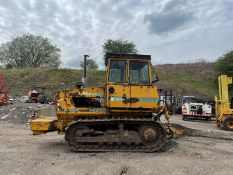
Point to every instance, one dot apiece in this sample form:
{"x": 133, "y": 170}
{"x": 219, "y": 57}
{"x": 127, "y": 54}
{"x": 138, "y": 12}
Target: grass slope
{"x": 20, "y": 81}
{"x": 196, "y": 79}
{"x": 183, "y": 79}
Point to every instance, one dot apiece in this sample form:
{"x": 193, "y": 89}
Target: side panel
{"x": 144, "y": 97}
{"x": 119, "y": 98}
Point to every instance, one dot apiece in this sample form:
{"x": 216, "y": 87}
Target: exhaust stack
{"x": 85, "y": 69}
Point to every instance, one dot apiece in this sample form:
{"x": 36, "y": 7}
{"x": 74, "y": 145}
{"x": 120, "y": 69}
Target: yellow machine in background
{"x": 123, "y": 115}
{"x": 224, "y": 104}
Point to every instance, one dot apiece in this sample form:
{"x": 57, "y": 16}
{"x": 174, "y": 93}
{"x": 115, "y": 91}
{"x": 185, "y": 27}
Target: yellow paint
{"x": 43, "y": 125}
{"x": 222, "y": 104}
{"x": 148, "y": 95}
{"x": 115, "y": 100}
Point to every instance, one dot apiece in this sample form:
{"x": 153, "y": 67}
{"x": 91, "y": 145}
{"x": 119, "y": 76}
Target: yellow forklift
{"x": 224, "y": 104}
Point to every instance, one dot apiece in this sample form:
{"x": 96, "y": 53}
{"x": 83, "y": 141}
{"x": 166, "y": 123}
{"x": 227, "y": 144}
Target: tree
{"x": 119, "y": 46}
{"x": 91, "y": 64}
{"x": 224, "y": 64}
{"x": 30, "y": 51}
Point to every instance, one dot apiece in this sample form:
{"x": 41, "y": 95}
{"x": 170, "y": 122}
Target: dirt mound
{"x": 19, "y": 113}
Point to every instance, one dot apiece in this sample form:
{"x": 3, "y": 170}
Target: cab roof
{"x": 126, "y": 56}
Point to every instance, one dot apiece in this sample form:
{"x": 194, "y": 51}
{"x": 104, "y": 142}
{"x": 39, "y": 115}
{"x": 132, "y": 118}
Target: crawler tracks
{"x": 131, "y": 135}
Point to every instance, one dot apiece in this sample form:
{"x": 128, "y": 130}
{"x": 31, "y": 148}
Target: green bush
{"x": 224, "y": 64}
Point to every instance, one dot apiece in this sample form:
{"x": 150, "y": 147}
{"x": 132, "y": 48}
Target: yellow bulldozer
{"x": 224, "y": 104}
{"x": 123, "y": 115}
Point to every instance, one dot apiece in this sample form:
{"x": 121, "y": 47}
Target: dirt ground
{"x": 23, "y": 153}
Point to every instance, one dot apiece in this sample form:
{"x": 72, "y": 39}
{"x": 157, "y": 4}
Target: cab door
{"x": 142, "y": 93}
{"x": 117, "y": 87}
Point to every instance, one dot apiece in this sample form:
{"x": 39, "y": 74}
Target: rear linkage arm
{"x": 164, "y": 111}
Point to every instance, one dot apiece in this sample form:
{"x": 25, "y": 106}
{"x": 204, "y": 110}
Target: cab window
{"x": 117, "y": 72}
{"x": 138, "y": 72}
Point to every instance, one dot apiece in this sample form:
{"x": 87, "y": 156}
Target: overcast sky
{"x": 172, "y": 31}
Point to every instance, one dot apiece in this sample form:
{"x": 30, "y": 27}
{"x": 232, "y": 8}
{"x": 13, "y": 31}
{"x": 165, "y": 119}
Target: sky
{"x": 172, "y": 31}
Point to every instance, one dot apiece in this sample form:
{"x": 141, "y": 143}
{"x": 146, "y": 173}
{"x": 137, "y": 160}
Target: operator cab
{"x": 138, "y": 72}
{"x": 129, "y": 81}
{"x": 129, "y": 68}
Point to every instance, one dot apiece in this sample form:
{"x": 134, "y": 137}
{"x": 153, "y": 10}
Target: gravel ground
{"x": 23, "y": 153}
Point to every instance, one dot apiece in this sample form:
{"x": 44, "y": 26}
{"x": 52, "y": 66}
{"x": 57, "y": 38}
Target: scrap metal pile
{"x": 19, "y": 113}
